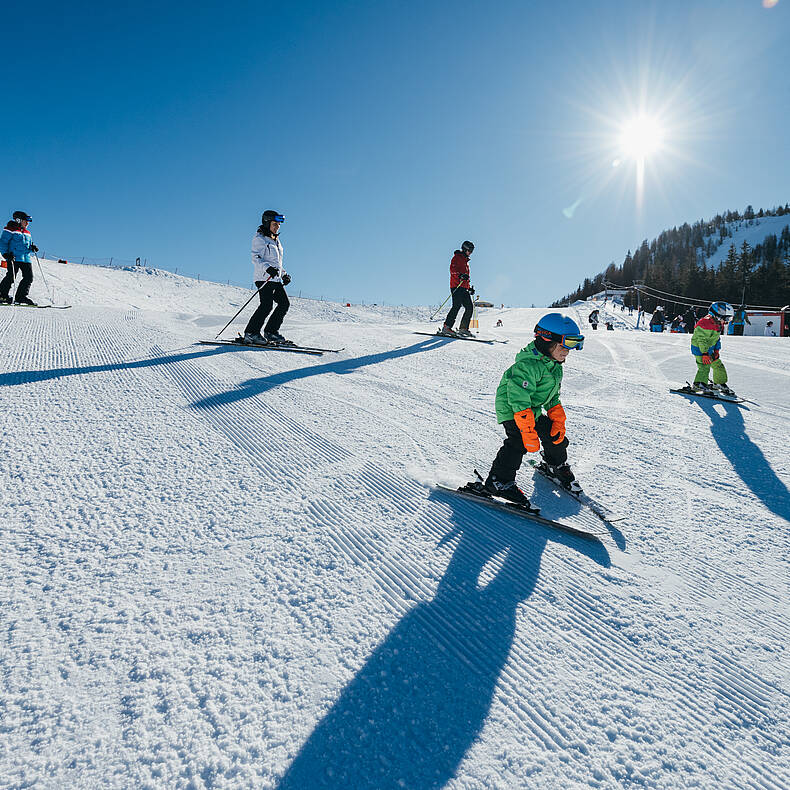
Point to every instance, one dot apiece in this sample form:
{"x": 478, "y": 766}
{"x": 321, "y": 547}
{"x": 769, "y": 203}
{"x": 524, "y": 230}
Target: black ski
{"x": 602, "y": 512}
{"x": 516, "y": 510}
{"x": 38, "y": 306}
{"x": 270, "y": 347}
{"x": 451, "y": 337}
{"x": 688, "y": 390}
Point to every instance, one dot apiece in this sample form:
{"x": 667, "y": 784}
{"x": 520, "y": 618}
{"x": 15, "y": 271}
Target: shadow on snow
{"x": 253, "y": 387}
{"x": 745, "y": 456}
{"x": 418, "y": 704}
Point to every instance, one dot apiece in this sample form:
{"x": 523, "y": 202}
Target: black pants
{"x": 508, "y": 459}
{"x": 737, "y": 329}
{"x": 461, "y": 298}
{"x": 270, "y": 293}
{"x": 23, "y": 289}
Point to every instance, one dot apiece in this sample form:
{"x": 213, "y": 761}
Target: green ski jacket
{"x": 532, "y": 382}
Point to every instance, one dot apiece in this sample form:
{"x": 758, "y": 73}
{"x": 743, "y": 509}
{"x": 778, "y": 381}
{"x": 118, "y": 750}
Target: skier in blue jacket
{"x": 16, "y": 244}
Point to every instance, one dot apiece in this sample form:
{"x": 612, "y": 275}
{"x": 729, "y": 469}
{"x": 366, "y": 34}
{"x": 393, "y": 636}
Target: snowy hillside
{"x": 751, "y": 231}
{"x": 228, "y": 568}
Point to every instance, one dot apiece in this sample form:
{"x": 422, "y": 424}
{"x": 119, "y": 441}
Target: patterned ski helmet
{"x": 722, "y": 310}
{"x": 468, "y": 247}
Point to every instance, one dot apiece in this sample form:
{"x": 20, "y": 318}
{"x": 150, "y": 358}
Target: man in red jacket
{"x": 462, "y": 291}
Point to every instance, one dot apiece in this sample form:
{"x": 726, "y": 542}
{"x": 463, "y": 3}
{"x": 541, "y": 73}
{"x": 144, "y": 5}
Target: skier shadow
{"x": 257, "y": 386}
{"x": 746, "y": 458}
{"x": 30, "y": 376}
{"x": 422, "y": 698}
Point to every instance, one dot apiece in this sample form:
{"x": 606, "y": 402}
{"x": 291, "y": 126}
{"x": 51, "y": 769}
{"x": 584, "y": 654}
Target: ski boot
{"x": 253, "y": 339}
{"x": 561, "y": 475}
{"x": 25, "y": 302}
{"x": 5, "y": 300}
{"x": 702, "y": 388}
{"x": 447, "y": 331}
{"x": 723, "y": 389}
{"x": 507, "y": 490}
{"x": 464, "y": 333}
{"x": 276, "y": 339}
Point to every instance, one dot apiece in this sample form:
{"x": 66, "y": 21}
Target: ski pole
{"x": 243, "y": 306}
{"x": 445, "y": 301}
{"x": 44, "y": 279}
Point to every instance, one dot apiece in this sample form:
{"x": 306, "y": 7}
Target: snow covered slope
{"x": 751, "y": 231}
{"x": 227, "y": 568}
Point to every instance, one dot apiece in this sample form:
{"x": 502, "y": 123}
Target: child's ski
{"x": 689, "y": 390}
{"x": 596, "y": 507}
{"x": 509, "y": 507}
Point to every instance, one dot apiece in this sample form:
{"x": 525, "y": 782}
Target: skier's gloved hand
{"x": 714, "y": 354}
{"x": 272, "y": 271}
{"x": 286, "y": 279}
{"x": 525, "y": 420}
{"x": 33, "y": 248}
{"x": 706, "y": 360}
{"x": 464, "y": 277}
{"x": 472, "y": 290}
{"x": 557, "y": 416}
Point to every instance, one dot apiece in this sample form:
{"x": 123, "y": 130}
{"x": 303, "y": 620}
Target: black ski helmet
{"x": 271, "y": 216}
{"x": 467, "y": 247}
{"x": 20, "y": 216}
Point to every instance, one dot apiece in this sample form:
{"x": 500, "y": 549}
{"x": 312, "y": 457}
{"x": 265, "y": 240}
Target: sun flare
{"x": 640, "y": 137}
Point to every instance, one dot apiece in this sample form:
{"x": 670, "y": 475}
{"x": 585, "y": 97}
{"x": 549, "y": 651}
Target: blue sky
{"x": 387, "y": 133}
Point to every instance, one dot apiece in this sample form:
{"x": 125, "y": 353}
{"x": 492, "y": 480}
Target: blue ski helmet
{"x": 557, "y": 328}
{"x": 722, "y": 310}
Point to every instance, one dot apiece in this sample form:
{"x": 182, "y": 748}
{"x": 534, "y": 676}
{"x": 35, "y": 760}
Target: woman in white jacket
{"x": 270, "y": 279}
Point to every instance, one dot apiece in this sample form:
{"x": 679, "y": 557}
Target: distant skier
{"x": 740, "y": 320}
{"x": 270, "y": 279}
{"x": 706, "y": 348}
{"x": 690, "y": 319}
{"x": 657, "y": 320}
{"x": 769, "y": 330}
{"x": 462, "y": 292}
{"x": 594, "y": 318}
{"x": 527, "y": 389}
{"x": 677, "y": 324}
{"x": 16, "y": 244}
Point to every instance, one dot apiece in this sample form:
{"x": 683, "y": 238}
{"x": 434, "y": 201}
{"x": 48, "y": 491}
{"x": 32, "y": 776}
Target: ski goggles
{"x": 566, "y": 341}
{"x": 278, "y": 218}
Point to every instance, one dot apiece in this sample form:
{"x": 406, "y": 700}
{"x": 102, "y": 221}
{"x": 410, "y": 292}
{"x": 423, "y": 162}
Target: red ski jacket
{"x": 459, "y": 265}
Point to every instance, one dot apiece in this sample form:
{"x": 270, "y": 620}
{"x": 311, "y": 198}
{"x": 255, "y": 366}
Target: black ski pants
{"x": 511, "y": 454}
{"x": 737, "y": 329}
{"x": 461, "y": 298}
{"x": 23, "y": 289}
{"x": 270, "y": 294}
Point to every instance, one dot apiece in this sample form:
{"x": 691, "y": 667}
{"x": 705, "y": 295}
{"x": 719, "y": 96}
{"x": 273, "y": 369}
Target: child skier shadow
{"x": 559, "y": 506}
{"x": 418, "y": 704}
{"x": 745, "y": 456}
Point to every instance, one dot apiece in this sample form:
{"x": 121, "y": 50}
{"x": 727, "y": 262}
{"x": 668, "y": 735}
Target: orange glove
{"x": 526, "y": 424}
{"x": 706, "y": 360}
{"x": 557, "y": 416}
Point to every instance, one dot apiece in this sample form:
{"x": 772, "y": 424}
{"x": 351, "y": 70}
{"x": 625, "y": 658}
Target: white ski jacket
{"x": 267, "y": 252}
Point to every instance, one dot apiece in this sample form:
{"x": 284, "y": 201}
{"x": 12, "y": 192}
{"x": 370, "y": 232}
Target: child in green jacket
{"x": 706, "y": 347}
{"x": 527, "y": 389}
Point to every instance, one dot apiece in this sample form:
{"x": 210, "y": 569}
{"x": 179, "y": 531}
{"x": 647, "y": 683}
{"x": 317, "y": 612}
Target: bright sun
{"x": 640, "y": 137}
